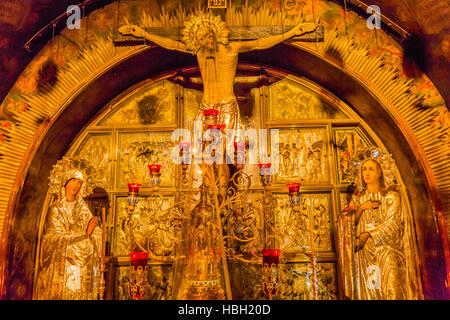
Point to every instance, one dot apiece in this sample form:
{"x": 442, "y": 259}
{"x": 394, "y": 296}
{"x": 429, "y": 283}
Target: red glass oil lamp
{"x": 155, "y": 174}
{"x": 211, "y": 116}
{"x": 265, "y": 173}
{"x": 138, "y": 274}
{"x": 133, "y": 193}
{"x": 271, "y": 258}
{"x": 185, "y": 154}
{"x": 294, "y": 193}
{"x": 239, "y": 151}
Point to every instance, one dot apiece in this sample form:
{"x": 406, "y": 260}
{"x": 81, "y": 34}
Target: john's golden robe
{"x": 384, "y": 268}
{"x": 69, "y": 257}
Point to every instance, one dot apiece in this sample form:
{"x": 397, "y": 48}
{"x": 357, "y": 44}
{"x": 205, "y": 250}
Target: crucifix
{"x": 217, "y": 51}
{"x": 217, "y": 48}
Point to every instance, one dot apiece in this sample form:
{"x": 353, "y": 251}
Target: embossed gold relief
{"x": 151, "y": 105}
{"x": 245, "y": 281}
{"x": 159, "y": 284}
{"x": 137, "y": 151}
{"x": 146, "y": 230}
{"x": 192, "y": 99}
{"x": 315, "y": 214}
{"x": 242, "y": 225}
{"x": 349, "y": 142}
{"x": 96, "y": 149}
{"x": 303, "y": 154}
{"x": 292, "y": 101}
{"x": 298, "y": 281}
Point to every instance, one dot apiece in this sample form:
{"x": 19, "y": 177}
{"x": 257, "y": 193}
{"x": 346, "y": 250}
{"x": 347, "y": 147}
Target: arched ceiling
{"x": 426, "y": 20}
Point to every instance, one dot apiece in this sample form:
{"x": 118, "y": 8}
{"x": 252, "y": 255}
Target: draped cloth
{"x": 385, "y": 268}
{"x": 228, "y": 113}
{"x": 69, "y": 260}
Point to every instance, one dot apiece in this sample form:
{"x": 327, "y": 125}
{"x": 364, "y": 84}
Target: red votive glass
{"x": 293, "y": 187}
{"x": 138, "y": 258}
{"x": 154, "y": 168}
{"x": 264, "y": 169}
{"x": 211, "y": 112}
{"x": 134, "y": 187}
{"x": 138, "y": 274}
{"x": 271, "y": 258}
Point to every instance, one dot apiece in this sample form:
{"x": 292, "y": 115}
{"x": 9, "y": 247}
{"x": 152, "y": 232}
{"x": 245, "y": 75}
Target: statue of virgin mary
{"x": 71, "y": 239}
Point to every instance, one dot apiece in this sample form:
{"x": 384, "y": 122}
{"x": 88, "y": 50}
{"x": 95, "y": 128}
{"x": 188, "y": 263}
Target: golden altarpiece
{"x": 348, "y": 113}
{"x": 318, "y": 136}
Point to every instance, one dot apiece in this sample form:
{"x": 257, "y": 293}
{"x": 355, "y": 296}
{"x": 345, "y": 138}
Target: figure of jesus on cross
{"x": 206, "y": 37}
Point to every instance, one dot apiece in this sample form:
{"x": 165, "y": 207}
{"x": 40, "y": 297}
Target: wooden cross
{"x": 236, "y": 34}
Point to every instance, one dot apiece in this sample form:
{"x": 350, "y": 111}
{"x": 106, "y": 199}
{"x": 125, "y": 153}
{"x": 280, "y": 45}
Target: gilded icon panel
{"x": 154, "y": 105}
{"x": 349, "y": 143}
{"x": 96, "y": 148}
{"x": 243, "y": 231}
{"x": 303, "y": 156}
{"x": 297, "y": 282}
{"x": 137, "y": 151}
{"x": 314, "y": 214}
{"x": 149, "y": 230}
{"x": 290, "y": 100}
{"x": 159, "y": 284}
{"x": 192, "y": 98}
{"x": 245, "y": 279}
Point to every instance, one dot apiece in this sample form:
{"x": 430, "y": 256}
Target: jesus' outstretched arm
{"x": 164, "y": 42}
{"x": 268, "y": 42}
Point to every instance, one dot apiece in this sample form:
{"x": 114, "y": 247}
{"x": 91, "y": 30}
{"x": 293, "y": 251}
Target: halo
{"x": 197, "y": 22}
{"x": 385, "y": 160}
{"x": 72, "y": 167}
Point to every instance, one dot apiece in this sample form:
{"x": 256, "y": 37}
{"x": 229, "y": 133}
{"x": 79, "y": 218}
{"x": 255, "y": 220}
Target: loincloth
{"x": 228, "y": 113}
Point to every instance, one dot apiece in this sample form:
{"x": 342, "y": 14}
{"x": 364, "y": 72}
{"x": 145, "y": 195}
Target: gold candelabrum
{"x": 223, "y": 224}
